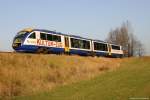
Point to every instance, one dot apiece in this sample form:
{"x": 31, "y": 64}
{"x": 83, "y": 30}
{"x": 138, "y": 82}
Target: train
{"x": 46, "y": 41}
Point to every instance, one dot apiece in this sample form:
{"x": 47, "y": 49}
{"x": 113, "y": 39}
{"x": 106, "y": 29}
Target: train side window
{"x": 104, "y": 46}
{"x": 74, "y": 43}
{"x": 49, "y": 37}
{"x": 77, "y": 43}
{"x": 32, "y": 36}
{"x": 86, "y": 44}
{"x": 100, "y": 46}
{"x": 115, "y": 47}
{"x": 56, "y": 38}
{"x": 43, "y": 36}
{"x": 81, "y": 45}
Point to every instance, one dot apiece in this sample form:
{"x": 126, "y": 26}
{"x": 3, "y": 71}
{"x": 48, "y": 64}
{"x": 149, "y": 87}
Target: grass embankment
{"x": 27, "y": 74}
{"x": 129, "y": 82}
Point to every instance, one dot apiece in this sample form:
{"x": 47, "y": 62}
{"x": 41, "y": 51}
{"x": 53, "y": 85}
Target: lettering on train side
{"x": 48, "y": 43}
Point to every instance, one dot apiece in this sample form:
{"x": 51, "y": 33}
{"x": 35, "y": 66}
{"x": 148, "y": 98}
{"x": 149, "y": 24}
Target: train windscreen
{"x": 18, "y": 39}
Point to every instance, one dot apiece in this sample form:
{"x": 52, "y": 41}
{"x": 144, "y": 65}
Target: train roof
{"x": 48, "y": 31}
{"x": 79, "y": 37}
{"x": 96, "y": 40}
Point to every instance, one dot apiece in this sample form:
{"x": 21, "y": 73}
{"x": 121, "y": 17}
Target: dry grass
{"x": 22, "y": 74}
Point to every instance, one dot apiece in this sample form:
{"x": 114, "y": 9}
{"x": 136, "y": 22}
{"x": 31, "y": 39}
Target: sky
{"x": 87, "y": 18}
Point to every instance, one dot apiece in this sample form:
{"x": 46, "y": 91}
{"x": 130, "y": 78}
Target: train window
{"x": 100, "y": 46}
{"x": 77, "y": 43}
{"x": 74, "y": 43}
{"x": 56, "y": 38}
{"x": 115, "y": 47}
{"x": 86, "y": 44}
{"x": 43, "y": 36}
{"x": 32, "y": 36}
{"x": 49, "y": 37}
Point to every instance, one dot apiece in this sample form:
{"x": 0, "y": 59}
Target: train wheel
{"x": 45, "y": 51}
{"x": 39, "y": 50}
{"x": 42, "y": 50}
{"x": 93, "y": 54}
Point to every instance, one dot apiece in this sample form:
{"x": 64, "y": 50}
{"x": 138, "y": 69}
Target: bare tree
{"x": 124, "y": 36}
{"x": 139, "y": 49}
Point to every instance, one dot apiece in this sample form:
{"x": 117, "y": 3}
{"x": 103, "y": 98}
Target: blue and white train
{"x": 45, "y": 41}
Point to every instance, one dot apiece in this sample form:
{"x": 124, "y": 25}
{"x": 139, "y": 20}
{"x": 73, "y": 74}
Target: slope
{"x": 130, "y": 81}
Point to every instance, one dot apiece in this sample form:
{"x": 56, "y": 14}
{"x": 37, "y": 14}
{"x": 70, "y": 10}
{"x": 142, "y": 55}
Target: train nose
{"x": 16, "y": 43}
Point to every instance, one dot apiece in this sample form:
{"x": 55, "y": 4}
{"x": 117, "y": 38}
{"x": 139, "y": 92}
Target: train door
{"x": 67, "y": 44}
{"x": 109, "y": 49}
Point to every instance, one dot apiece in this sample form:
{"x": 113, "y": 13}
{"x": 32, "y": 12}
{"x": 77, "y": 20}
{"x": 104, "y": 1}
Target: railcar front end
{"x": 19, "y": 40}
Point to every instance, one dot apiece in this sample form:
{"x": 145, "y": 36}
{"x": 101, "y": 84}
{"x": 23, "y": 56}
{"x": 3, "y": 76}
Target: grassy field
{"x": 131, "y": 81}
{"x": 28, "y": 74}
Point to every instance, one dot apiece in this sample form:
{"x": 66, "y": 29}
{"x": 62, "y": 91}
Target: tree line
{"x": 125, "y": 37}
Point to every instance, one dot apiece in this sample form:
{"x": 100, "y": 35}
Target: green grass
{"x": 131, "y": 80}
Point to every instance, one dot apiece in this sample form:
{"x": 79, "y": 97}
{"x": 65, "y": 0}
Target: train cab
{"x": 20, "y": 38}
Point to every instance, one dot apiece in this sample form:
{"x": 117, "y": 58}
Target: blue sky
{"x": 87, "y": 18}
